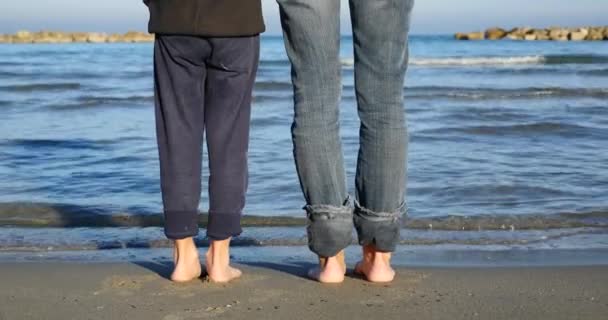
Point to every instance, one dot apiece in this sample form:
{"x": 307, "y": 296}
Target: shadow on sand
{"x": 297, "y": 269}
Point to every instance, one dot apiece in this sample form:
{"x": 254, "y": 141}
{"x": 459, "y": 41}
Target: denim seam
{"x": 330, "y": 212}
{"x": 374, "y": 216}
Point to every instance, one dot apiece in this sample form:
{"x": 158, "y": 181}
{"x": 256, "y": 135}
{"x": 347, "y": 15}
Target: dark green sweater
{"x": 213, "y": 18}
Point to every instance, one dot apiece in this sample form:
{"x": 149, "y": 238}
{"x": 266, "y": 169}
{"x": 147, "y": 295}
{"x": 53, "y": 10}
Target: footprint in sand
{"x": 125, "y": 285}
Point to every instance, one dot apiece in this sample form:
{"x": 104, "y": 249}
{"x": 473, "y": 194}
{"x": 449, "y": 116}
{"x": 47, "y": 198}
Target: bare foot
{"x": 187, "y": 265}
{"x": 375, "y": 265}
{"x": 218, "y": 262}
{"x": 329, "y": 270}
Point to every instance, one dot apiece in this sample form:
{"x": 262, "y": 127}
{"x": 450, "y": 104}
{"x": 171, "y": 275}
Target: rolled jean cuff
{"x": 181, "y": 224}
{"x": 222, "y": 226}
{"x": 329, "y": 228}
{"x": 381, "y": 229}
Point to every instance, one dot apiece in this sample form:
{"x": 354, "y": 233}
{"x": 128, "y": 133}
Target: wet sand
{"x": 280, "y": 291}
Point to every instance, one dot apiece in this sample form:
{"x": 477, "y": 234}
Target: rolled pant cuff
{"x": 329, "y": 228}
{"x": 222, "y": 226}
{"x": 181, "y": 224}
{"x": 381, "y": 229}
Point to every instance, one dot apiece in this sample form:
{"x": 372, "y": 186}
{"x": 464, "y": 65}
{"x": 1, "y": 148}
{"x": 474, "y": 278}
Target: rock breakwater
{"x": 532, "y": 34}
{"x": 75, "y": 37}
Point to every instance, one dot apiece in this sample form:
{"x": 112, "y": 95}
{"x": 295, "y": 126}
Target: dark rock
{"x": 461, "y": 36}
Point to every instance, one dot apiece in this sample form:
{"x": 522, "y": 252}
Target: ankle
{"x": 185, "y": 248}
{"x": 187, "y": 264}
{"x": 331, "y": 262}
{"x": 369, "y": 253}
{"x": 218, "y": 253}
{"x": 330, "y": 270}
{"x": 382, "y": 259}
{"x": 337, "y": 260}
{"x": 372, "y": 256}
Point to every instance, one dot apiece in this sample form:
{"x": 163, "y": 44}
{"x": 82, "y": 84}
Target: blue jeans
{"x": 312, "y": 39}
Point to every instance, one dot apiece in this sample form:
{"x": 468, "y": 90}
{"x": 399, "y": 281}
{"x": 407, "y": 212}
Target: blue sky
{"x": 430, "y": 16}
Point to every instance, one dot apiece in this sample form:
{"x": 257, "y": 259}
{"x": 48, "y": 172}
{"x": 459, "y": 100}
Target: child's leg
{"x": 231, "y": 74}
{"x": 179, "y": 73}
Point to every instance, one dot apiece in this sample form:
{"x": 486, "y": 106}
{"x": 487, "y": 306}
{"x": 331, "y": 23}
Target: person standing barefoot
{"x": 206, "y": 55}
{"x": 311, "y": 30}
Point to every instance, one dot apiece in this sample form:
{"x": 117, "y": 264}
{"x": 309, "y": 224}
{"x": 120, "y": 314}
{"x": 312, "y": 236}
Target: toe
{"x": 236, "y": 273}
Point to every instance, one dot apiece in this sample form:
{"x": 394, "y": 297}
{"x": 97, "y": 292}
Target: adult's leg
{"x": 231, "y": 72}
{"x": 179, "y": 75}
{"x": 312, "y": 38}
{"x": 380, "y": 34}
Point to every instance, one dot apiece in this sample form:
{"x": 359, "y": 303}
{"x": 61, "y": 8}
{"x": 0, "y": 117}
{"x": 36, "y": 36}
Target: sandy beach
{"x": 280, "y": 291}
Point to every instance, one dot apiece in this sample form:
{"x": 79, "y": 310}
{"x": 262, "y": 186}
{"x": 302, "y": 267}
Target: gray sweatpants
{"x": 203, "y": 84}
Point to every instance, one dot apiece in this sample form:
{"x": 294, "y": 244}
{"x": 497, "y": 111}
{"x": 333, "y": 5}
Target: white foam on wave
{"x": 479, "y": 61}
{"x": 467, "y": 61}
{"x": 347, "y": 62}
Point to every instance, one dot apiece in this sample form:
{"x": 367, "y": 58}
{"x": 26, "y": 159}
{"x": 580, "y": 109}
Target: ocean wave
{"x": 271, "y": 91}
{"x": 148, "y": 73}
{"x": 467, "y": 93}
{"x": 105, "y": 100}
{"x": 576, "y": 59}
{"x": 270, "y": 98}
{"x": 501, "y": 60}
{"x": 596, "y": 72}
{"x": 274, "y": 63}
{"x": 536, "y": 70}
{"x": 476, "y": 61}
{"x": 273, "y": 86}
{"x": 487, "y": 113}
{"x": 15, "y": 239}
{"x": 56, "y": 239}
{"x": 73, "y": 144}
{"x": 102, "y": 101}
{"x": 284, "y": 86}
{"x": 564, "y": 130}
{"x": 41, "y": 87}
{"x": 9, "y": 74}
{"x": 445, "y": 61}
{"x": 70, "y": 216}
{"x": 472, "y": 93}
{"x": 11, "y": 63}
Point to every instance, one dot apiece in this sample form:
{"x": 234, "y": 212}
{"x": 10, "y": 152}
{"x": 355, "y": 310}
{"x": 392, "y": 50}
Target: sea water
{"x": 508, "y": 146}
